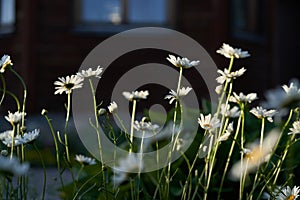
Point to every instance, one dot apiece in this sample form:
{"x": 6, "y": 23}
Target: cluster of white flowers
{"x": 136, "y": 95}
{"x": 15, "y": 117}
{"x": 229, "y": 52}
{"x": 8, "y": 139}
{"x": 69, "y": 83}
{"x": 13, "y": 166}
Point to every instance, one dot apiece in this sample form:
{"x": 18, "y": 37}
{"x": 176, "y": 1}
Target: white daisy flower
{"x": 182, "y": 62}
{"x": 255, "y": 156}
{"x": 6, "y": 134}
{"x": 85, "y": 160}
{"x": 260, "y": 113}
{"x": 67, "y": 84}
{"x": 145, "y": 126}
{"x": 208, "y": 123}
{"x": 288, "y": 193}
{"x": 13, "y": 166}
{"x": 18, "y": 140}
{"x": 241, "y": 98}
{"x": 228, "y": 76}
{"x": 231, "y": 113}
{"x": 130, "y": 164}
{"x": 113, "y": 106}
{"x": 4, "y": 63}
{"x": 30, "y": 136}
{"x": 296, "y": 128}
{"x": 135, "y": 95}
{"x": 14, "y": 118}
{"x": 229, "y": 52}
{"x": 90, "y": 72}
{"x": 172, "y": 96}
{"x": 227, "y": 133}
{"x": 278, "y": 98}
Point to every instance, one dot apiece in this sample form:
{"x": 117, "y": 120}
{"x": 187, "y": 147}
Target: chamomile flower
{"x": 230, "y": 112}
{"x": 18, "y": 140}
{"x": 228, "y": 76}
{"x": 136, "y": 95}
{"x": 260, "y": 113}
{"x": 296, "y": 128}
{"x": 130, "y": 164}
{"x": 6, "y": 134}
{"x": 241, "y": 98}
{"x": 113, "y": 106}
{"x": 85, "y": 160}
{"x": 283, "y": 97}
{"x": 68, "y": 84}
{"x": 4, "y": 63}
{"x": 208, "y": 123}
{"x": 229, "y": 52}
{"x": 172, "y": 96}
{"x": 182, "y": 62}
{"x": 288, "y": 193}
{"x": 255, "y": 156}
{"x": 90, "y": 73}
{"x": 31, "y": 136}
{"x": 13, "y": 166}
{"x": 15, "y": 117}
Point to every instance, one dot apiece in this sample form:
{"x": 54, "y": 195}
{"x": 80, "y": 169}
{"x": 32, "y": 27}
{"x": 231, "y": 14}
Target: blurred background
{"x": 50, "y": 39}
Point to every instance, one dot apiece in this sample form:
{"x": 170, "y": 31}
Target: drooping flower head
{"x": 136, "y": 95}
{"x": 227, "y": 133}
{"x": 229, "y": 52}
{"x": 84, "y": 160}
{"x": 68, "y": 84}
{"x": 90, "y": 73}
{"x": 172, "y": 96}
{"x": 230, "y": 112}
{"x": 4, "y": 63}
{"x": 182, "y": 62}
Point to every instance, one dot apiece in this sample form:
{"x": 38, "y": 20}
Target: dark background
{"x": 47, "y": 42}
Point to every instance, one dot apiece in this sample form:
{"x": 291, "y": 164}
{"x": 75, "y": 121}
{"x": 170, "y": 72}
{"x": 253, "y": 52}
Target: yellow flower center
{"x": 291, "y": 197}
{"x": 207, "y": 126}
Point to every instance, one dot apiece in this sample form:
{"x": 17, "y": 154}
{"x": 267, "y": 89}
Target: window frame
{"x": 104, "y": 28}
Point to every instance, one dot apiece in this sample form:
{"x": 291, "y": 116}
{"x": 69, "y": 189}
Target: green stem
{"x": 66, "y": 128}
{"x": 12, "y": 141}
{"x": 242, "y": 178}
{"x": 44, "y": 170}
{"x": 4, "y": 88}
{"x": 229, "y": 155}
{"x": 56, "y": 149}
{"x": 132, "y": 123}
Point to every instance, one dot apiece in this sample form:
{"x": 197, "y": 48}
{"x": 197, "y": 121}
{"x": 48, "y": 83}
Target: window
{"x": 248, "y": 19}
{"x": 115, "y": 15}
{"x": 7, "y": 16}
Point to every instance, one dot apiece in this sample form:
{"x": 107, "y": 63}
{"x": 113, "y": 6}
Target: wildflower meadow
{"x": 244, "y": 148}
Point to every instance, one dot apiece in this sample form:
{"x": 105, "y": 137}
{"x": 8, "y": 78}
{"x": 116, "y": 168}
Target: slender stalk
{"x": 242, "y": 179}
{"x": 56, "y": 149}
{"x": 12, "y": 141}
{"x": 131, "y": 126}
{"x": 225, "y": 87}
{"x": 44, "y": 170}
{"x": 4, "y": 88}
{"x": 66, "y": 128}
{"x": 229, "y": 155}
